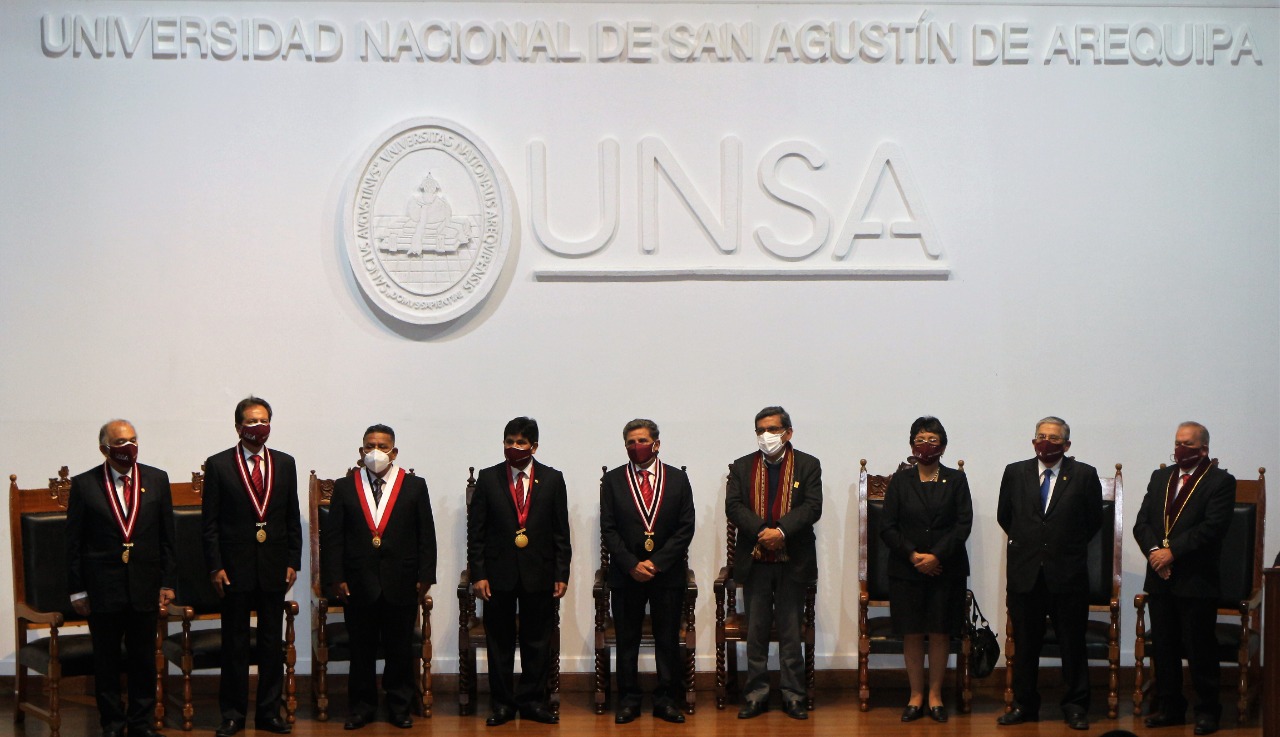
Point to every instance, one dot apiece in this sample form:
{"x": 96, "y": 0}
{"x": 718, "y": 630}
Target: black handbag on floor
{"x": 984, "y": 648}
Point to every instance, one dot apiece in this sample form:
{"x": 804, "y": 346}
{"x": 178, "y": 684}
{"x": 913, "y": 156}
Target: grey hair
{"x": 102, "y": 432}
{"x": 638, "y": 424}
{"x": 1204, "y": 431}
{"x": 1051, "y": 420}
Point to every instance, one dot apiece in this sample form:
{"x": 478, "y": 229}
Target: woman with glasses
{"x": 928, "y": 514}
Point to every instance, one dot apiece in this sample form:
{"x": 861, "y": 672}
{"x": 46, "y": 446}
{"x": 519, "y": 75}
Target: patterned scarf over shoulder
{"x": 781, "y": 503}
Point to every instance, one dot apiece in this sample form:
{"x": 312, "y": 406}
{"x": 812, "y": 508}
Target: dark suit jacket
{"x": 796, "y": 525}
{"x": 94, "y": 544}
{"x": 1196, "y": 539}
{"x": 1057, "y": 539}
{"x": 939, "y": 525}
{"x": 492, "y": 523}
{"x": 623, "y": 530}
{"x": 230, "y": 524}
{"x": 406, "y": 558}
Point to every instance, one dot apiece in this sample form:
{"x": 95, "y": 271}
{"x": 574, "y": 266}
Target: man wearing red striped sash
{"x": 646, "y": 521}
{"x": 120, "y": 570}
{"x": 378, "y": 548}
{"x": 253, "y": 548}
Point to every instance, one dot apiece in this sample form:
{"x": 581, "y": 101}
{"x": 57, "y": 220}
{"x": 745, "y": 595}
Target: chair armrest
{"x": 27, "y": 614}
{"x": 180, "y": 611}
{"x": 691, "y": 583}
{"x": 426, "y": 602}
{"x": 464, "y": 580}
{"x": 1253, "y": 602}
{"x": 291, "y": 609}
{"x": 601, "y": 580}
{"x": 1140, "y": 602}
{"x": 723, "y": 580}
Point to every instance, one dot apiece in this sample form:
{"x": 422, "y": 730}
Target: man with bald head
{"x": 121, "y": 571}
{"x": 1050, "y": 507}
{"x": 1183, "y": 519}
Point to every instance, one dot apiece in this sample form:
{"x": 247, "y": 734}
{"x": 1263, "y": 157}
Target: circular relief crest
{"x": 427, "y": 221}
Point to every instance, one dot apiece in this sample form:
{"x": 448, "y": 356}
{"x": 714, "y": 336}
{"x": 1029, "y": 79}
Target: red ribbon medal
{"x": 127, "y": 518}
{"x": 381, "y": 527}
{"x": 268, "y": 481}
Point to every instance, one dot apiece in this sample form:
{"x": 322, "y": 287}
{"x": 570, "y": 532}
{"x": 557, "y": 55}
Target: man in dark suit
{"x": 1050, "y": 507}
{"x": 1180, "y": 527}
{"x": 378, "y": 548}
{"x": 121, "y": 568}
{"x": 518, "y": 553}
{"x": 253, "y": 548}
{"x": 774, "y": 497}
{"x": 646, "y": 520}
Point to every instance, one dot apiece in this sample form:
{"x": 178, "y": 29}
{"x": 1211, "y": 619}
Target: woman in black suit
{"x": 928, "y": 514}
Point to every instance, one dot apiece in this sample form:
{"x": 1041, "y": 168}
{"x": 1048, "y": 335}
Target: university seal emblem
{"x": 428, "y": 220}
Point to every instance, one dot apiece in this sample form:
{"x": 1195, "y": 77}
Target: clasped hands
{"x": 644, "y": 571}
{"x": 926, "y": 563}
{"x": 1161, "y": 561}
{"x": 481, "y": 589}
{"x": 771, "y": 538}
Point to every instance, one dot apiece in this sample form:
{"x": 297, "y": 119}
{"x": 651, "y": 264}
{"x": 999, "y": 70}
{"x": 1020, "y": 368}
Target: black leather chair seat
{"x": 206, "y": 648}
{"x": 1096, "y": 643}
{"x": 885, "y": 642}
{"x": 75, "y": 652}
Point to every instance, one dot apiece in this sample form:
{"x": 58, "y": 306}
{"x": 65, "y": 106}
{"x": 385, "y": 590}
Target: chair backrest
{"x": 471, "y": 492}
{"x": 194, "y": 589}
{"x": 1105, "y": 546}
{"x": 37, "y": 535}
{"x": 873, "y": 554}
{"x": 1241, "y": 565}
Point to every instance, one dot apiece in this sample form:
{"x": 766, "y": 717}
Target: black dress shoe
{"x": 795, "y": 709}
{"x": 626, "y": 715}
{"x": 1077, "y": 720}
{"x": 356, "y": 721}
{"x": 912, "y": 712}
{"x": 938, "y": 714}
{"x": 1017, "y": 716}
{"x": 1164, "y": 720}
{"x": 229, "y": 727}
{"x": 500, "y": 715}
{"x": 753, "y": 709}
{"x": 539, "y": 714}
{"x": 668, "y": 713}
{"x": 274, "y": 725}
{"x": 1206, "y": 725}
{"x": 401, "y": 721}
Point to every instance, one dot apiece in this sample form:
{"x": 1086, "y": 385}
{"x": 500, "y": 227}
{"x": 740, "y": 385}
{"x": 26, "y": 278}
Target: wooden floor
{"x": 837, "y": 715}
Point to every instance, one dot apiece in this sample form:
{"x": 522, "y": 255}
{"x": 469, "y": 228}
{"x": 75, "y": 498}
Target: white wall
{"x": 171, "y": 239}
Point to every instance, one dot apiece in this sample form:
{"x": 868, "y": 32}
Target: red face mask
{"x": 126, "y": 454}
{"x": 1187, "y": 458}
{"x": 641, "y": 454}
{"x": 255, "y": 434}
{"x": 517, "y": 455}
{"x": 1049, "y": 453}
{"x": 927, "y": 453}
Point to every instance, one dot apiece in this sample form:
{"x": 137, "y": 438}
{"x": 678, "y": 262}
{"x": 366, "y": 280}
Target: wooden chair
{"x": 196, "y": 600}
{"x": 1101, "y": 637}
{"x": 875, "y": 634}
{"x": 1238, "y": 642}
{"x": 731, "y": 627}
{"x": 330, "y": 640}
{"x": 41, "y": 601}
{"x": 607, "y": 636}
{"x": 471, "y": 636}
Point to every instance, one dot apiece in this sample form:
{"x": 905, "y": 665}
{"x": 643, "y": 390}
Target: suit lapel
{"x": 1066, "y": 472}
{"x": 1032, "y": 477}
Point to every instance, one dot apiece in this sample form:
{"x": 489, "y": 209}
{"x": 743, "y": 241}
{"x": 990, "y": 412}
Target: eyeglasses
{"x": 1055, "y": 439}
{"x": 775, "y": 429}
{"x": 927, "y": 441}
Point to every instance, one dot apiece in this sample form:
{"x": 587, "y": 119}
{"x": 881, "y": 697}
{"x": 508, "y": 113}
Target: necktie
{"x": 1045, "y": 485}
{"x": 128, "y": 493}
{"x": 377, "y": 490}
{"x": 520, "y": 490}
{"x": 646, "y": 489}
{"x": 257, "y": 475}
{"x": 1179, "y": 498}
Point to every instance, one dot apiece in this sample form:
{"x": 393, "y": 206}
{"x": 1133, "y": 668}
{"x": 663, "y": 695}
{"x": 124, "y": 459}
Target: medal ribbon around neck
{"x": 522, "y": 510}
{"x": 129, "y": 518}
{"x": 381, "y": 527}
{"x": 648, "y": 515}
{"x": 1195, "y": 480}
{"x": 268, "y": 480}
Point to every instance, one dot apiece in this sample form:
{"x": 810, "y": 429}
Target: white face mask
{"x": 770, "y": 442}
{"x": 376, "y": 461}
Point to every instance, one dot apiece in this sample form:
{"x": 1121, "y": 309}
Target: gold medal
{"x": 648, "y": 544}
{"x": 377, "y": 541}
{"x": 125, "y": 555}
{"x": 262, "y": 534}
{"x": 521, "y": 539}
{"x": 1166, "y": 542}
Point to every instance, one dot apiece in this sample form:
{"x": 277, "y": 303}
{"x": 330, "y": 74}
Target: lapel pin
{"x": 795, "y": 485}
